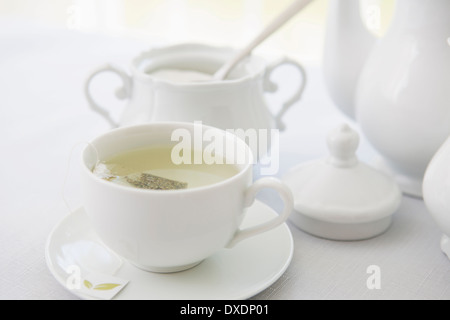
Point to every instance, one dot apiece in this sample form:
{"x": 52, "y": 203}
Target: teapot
{"x": 436, "y": 193}
{"x": 397, "y": 88}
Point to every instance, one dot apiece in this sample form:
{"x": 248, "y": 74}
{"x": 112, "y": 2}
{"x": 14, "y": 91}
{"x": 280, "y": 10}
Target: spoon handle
{"x": 280, "y": 20}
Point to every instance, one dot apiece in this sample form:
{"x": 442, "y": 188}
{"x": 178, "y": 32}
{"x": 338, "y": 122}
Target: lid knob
{"x": 343, "y": 143}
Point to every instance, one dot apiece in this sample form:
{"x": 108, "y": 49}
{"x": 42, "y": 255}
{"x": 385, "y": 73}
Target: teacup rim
{"x": 189, "y": 45}
{"x": 242, "y": 171}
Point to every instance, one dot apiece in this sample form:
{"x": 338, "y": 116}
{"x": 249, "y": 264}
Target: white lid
{"x": 341, "y": 189}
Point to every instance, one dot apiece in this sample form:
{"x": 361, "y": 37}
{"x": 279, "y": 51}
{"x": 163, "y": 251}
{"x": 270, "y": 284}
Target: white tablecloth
{"x": 44, "y": 115}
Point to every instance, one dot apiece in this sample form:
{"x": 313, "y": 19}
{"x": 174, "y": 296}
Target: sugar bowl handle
{"x": 270, "y": 86}
{"x": 286, "y": 196}
{"x": 121, "y": 93}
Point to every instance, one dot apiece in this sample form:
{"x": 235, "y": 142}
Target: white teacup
{"x": 172, "y": 230}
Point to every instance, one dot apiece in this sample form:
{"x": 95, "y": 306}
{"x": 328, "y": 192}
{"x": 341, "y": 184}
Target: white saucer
{"x": 231, "y": 274}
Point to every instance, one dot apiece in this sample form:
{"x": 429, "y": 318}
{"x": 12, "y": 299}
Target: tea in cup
{"x": 164, "y": 203}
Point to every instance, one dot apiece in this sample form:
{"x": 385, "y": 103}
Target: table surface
{"x": 44, "y": 117}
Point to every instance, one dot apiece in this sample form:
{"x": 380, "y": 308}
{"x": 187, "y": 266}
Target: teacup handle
{"x": 270, "y": 86}
{"x": 121, "y": 92}
{"x": 286, "y": 196}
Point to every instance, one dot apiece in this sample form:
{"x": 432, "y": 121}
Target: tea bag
{"x": 150, "y": 181}
{"x": 141, "y": 180}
